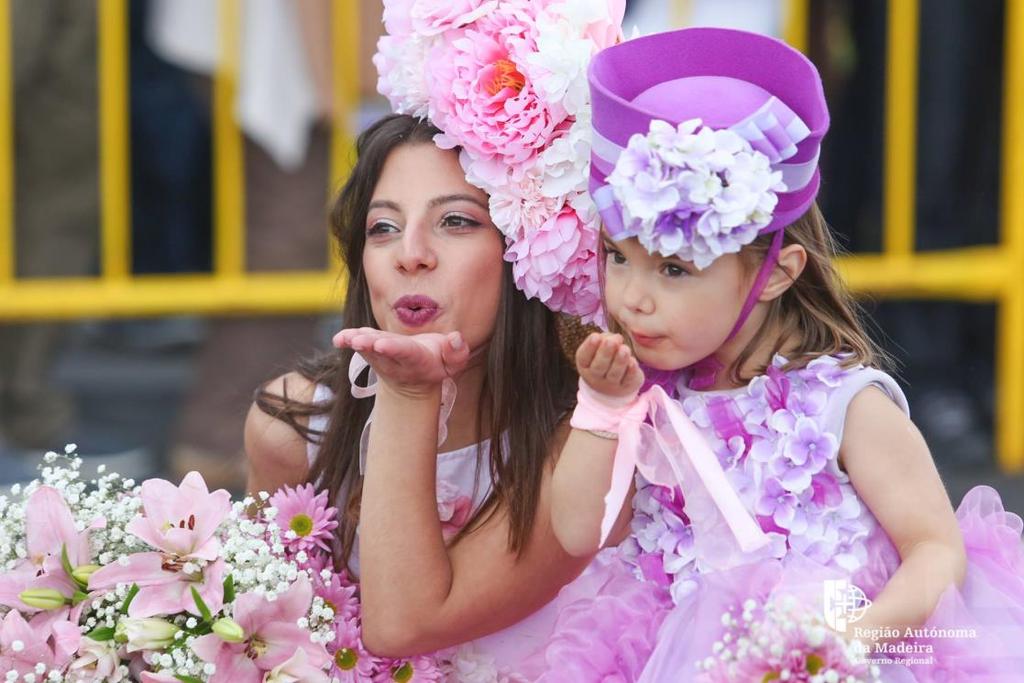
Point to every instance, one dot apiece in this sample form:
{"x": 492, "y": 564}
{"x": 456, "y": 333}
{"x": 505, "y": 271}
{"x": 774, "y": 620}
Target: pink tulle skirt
{"x": 606, "y": 627}
{"x": 613, "y": 628}
{"x": 975, "y": 633}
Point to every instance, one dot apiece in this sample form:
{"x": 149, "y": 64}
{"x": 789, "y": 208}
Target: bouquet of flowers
{"x": 777, "y": 640}
{"x": 111, "y": 581}
{"x": 506, "y": 82}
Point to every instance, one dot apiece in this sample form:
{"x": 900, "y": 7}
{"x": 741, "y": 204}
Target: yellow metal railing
{"x": 980, "y": 274}
{"x": 977, "y": 274}
{"x": 229, "y": 288}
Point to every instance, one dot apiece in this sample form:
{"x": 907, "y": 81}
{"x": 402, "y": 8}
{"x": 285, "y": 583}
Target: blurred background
{"x": 166, "y": 168}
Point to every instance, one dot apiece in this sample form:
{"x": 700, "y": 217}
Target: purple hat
{"x": 704, "y": 138}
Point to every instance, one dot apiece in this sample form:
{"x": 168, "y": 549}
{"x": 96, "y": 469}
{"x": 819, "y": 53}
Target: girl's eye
{"x": 454, "y": 220}
{"x": 615, "y": 257}
{"x": 673, "y": 270}
{"x": 380, "y": 228}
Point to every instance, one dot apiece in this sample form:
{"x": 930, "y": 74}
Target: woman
{"x": 454, "y": 540}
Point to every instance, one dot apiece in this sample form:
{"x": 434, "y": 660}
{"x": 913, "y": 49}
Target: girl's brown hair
{"x": 818, "y": 314}
{"x": 528, "y": 387}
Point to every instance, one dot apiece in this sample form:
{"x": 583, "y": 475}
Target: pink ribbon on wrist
{"x": 686, "y": 462}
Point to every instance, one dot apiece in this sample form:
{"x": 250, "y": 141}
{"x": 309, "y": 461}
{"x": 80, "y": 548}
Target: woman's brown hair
{"x": 528, "y": 385}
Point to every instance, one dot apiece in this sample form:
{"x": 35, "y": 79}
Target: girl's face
{"x": 433, "y": 258}
{"x": 673, "y": 313}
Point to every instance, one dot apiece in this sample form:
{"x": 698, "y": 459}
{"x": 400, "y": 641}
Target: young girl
{"x": 785, "y": 456}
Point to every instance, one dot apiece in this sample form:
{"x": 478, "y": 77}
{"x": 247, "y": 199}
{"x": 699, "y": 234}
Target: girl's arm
{"x": 584, "y": 470}
{"x": 417, "y": 594}
{"x": 892, "y": 470}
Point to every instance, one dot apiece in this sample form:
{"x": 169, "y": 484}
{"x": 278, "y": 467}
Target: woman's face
{"x": 433, "y": 258}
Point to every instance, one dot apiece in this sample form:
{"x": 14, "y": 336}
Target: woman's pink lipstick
{"x": 416, "y": 310}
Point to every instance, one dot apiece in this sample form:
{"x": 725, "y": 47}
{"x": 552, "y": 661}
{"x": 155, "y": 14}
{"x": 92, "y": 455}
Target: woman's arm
{"x": 892, "y": 470}
{"x": 419, "y": 595}
{"x": 275, "y": 453}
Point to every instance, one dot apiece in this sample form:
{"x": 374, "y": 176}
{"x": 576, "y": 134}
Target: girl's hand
{"x": 608, "y": 366}
{"x": 408, "y": 363}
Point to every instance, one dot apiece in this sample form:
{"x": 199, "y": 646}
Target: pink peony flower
{"x": 271, "y": 637}
{"x": 557, "y": 264}
{"x": 305, "y": 513}
{"x": 430, "y": 17}
{"x": 397, "y": 17}
{"x": 480, "y": 97}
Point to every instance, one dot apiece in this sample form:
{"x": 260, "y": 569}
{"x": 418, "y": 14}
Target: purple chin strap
{"x": 705, "y": 372}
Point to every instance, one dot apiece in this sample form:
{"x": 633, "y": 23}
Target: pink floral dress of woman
{"x": 777, "y": 439}
{"x": 520, "y": 653}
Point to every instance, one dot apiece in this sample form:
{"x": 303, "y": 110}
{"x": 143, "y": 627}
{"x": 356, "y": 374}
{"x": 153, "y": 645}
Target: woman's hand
{"x": 607, "y": 365}
{"x": 408, "y": 362}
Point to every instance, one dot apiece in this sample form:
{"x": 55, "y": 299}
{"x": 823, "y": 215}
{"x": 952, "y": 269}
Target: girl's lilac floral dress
{"x": 777, "y": 440}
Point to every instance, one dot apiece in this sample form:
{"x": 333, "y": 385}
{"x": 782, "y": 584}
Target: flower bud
{"x": 146, "y": 634}
{"x": 43, "y": 598}
{"x": 229, "y": 630}
{"x": 83, "y": 572}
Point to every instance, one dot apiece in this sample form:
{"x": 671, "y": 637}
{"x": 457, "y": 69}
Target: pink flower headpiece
{"x": 506, "y": 82}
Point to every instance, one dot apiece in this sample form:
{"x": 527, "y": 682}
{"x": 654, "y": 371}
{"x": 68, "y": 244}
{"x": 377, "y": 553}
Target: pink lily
{"x": 270, "y": 637}
{"x": 43, "y": 640}
{"x": 181, "y": 520}
{"x": 149, "y": 677}
{"x": 296, "y": 669}
{"x": 49, "y": 529}
{"x": 181, "y": 523}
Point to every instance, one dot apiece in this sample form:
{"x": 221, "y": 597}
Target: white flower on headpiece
{"x": 399, "y": 62}
{"x": 694, "y": 192}
{"x": 566, "y": 162}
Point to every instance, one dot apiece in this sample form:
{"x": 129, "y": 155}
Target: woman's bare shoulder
{"x": 275, "y": 452}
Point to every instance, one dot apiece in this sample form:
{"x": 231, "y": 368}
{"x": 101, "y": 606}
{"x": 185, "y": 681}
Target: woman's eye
{"x": 615, "y": 257}
{"x": 454, "y": 220}
{"x": 380, "y": 228}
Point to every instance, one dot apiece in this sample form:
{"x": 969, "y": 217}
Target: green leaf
{"x": 229, "y": 589}
{"x": 78, "y": 597}
{"x": 203, "y": 609}
{"x": 187, "y": 679}
{"x": 771, "y": 676}
{"x": 132, "y": 592}
{"x": 101, "y": 633}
